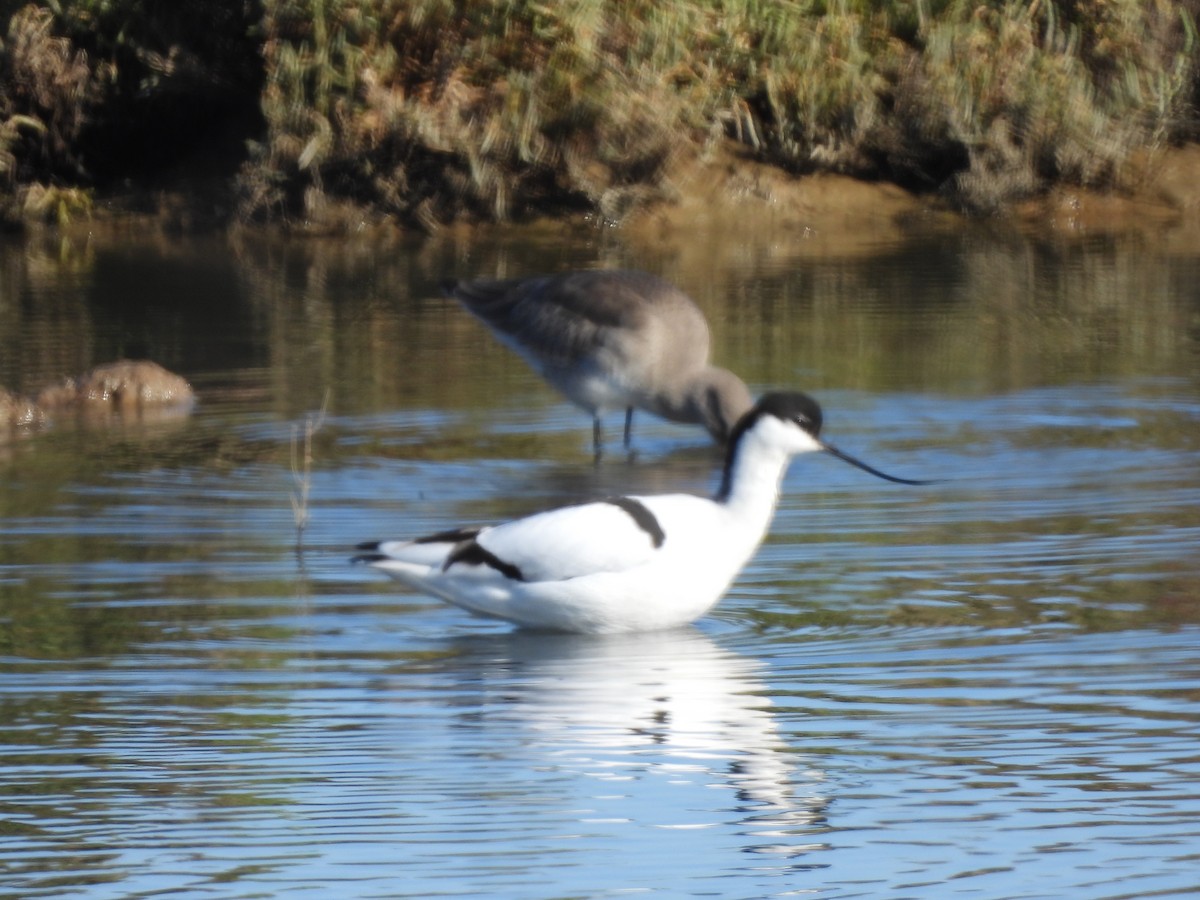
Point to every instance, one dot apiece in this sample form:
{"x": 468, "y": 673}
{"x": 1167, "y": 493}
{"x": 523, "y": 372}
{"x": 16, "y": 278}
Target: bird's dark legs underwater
{"x": 598, "y": 433}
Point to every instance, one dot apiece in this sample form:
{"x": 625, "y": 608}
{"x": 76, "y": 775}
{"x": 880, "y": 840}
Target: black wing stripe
{"x": 453, "y": 536}
{"x": 644, "y": 519}
{"x": 471, "y": 553}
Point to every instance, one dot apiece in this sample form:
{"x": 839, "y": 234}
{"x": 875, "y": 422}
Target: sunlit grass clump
{"x": 429, "y": 109}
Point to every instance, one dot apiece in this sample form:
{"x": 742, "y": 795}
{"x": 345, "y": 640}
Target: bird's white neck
{"x": 753, "y": 475}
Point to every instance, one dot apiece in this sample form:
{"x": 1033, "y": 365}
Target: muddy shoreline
{"x": 1161, "y": 196}
{"x": 729, "y": 193}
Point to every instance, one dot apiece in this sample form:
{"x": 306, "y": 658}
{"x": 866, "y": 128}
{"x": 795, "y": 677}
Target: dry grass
{"x": 47, "y": 86}
{"x": 429, "y": 110}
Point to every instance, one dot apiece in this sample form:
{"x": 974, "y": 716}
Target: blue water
{"x": 989, "y": 687}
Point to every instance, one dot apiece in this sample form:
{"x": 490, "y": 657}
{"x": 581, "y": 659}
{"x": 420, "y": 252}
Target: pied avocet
{"x": 624, "y": 563}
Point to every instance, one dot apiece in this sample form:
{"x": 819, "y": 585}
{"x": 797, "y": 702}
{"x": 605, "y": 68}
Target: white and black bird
{"x": 625, "y": 563}
{"x": 612, "y": 340}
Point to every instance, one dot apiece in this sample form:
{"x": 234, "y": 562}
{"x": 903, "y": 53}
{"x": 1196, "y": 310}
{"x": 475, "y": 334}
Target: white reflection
{"x": 674, "y": 705}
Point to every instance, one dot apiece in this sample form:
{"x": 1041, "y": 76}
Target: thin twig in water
{"x": 302, "y": 468}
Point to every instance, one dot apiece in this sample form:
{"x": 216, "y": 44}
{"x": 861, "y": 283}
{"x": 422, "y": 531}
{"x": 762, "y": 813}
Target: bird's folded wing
{"x": 573, "y": 541}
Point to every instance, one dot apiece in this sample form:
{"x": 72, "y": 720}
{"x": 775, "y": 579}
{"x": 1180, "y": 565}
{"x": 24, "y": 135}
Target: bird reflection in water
{"x": 632, "y": 710}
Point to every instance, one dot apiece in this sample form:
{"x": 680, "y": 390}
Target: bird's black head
{"x": 804, "y": 411}
{"x": 790, "y": 406}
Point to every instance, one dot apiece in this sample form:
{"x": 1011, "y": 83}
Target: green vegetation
{"x": 431, "y": 110}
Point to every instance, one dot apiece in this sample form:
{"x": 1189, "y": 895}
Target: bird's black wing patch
{"x": 473, "y": 553}
{"x": 642, "y": 516}
{"x": 453, "y": 536}
{"x": 371, "y": 553}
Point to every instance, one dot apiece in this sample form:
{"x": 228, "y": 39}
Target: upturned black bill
{"x": 829, "y": 448}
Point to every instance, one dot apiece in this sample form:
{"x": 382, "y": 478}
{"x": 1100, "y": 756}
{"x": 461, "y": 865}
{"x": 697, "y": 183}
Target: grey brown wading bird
{"x": 610, "y": 340}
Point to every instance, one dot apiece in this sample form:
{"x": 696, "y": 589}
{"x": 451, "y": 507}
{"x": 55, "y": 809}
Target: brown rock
{"x": 126, "y": 386}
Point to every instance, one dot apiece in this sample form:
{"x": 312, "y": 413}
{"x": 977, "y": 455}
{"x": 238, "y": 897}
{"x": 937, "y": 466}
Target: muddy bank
{"x": 725, "y": 193}
{"x": 734, "y": 194}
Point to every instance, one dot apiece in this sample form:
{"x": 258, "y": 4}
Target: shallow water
{"x": 988, "y": 687}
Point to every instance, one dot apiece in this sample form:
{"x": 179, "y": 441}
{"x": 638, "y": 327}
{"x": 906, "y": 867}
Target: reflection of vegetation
{"x": 947, "y": 601}
{"x": 428, "y": 109}
{"x": 975, "y": 315}
{"x": 410, "y": 376}
{"x": 364, "y": 319}
{"x": 43, "y": 624}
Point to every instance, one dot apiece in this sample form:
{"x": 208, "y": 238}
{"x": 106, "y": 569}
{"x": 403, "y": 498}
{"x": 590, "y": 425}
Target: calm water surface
{"x": 985, "y": 688}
